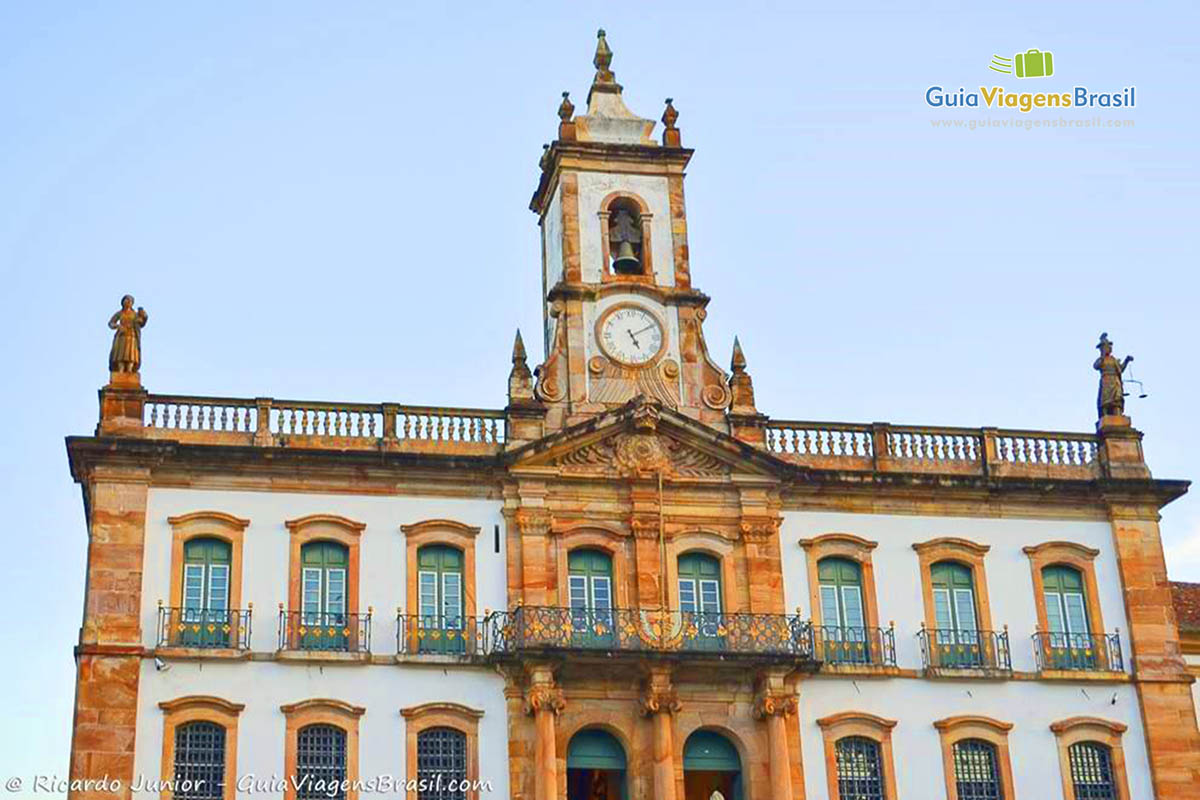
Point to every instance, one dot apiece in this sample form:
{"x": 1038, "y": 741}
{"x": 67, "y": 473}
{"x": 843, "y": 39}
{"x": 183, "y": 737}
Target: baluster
{"x": 421, "y": 421}
{"x": 442, "y": 427}
{"x": 1042, "y": 457}
{"x": 807, "y": 445}
{"x": 939, "y": 447}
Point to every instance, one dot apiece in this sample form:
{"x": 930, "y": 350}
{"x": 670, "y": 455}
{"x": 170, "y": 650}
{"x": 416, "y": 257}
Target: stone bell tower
{"x": 621, "y": 316}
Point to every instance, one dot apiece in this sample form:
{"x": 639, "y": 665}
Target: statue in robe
{"x": 1111, "y": 399}
{"x": 126, "y": 352}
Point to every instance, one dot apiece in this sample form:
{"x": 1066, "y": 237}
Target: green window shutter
{"x": 589, "y": 579}
{"x": 699, "y": 583}
{"x": 1066, "y": 600}
{"x": 841, "y": 593}
{"x": 206, "y": 574}
{"x": 953, "y": 597}
{"x": 323, "y": 577}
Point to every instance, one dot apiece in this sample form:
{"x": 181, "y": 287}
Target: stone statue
{"x": 126, "y": 352}
{"x": 1111, "y": 400}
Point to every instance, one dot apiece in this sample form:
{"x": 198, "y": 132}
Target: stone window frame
{"x": 852, "y": 548}
{"x": 952, "y": 730}
{"x": 460, "y": 536}
{"x": 836, "y": 727}
{"x": 1075, "y": 730}
{"x": 456, "y": 716}
{"x": 320, "y": 711}
{"x": 711, "y": 544}
{"x": 1067, "y": 554}
{"x": 207, "y": 525}
{"x": 200, "y": 708}
{"x": 963, "y": 551}
{"x": 591, "y": 537}
{"x": 604, "y": 213}
{"x": 324, "y": 528}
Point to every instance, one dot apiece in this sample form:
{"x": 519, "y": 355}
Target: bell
{"x": 626, "y": 262}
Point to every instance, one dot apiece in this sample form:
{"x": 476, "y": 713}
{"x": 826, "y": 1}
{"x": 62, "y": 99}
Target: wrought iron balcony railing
{"x": 639, "y": 631}
{"x": 432, "y": 634}
{"x": 227, "y": 629}
{"x": 950, "y": 650}
{"x": 325, "y": 631}
{"x": 855, "y": 646}
{"x": 1088, "y": 652}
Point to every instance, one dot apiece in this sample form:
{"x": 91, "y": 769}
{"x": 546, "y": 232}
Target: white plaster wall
{"x": 593, "y": 188}
{"x": 916, "y": 704}
{"x": 552, "y": 268}
{"x": 898, "y": 579}
{"x": 379, "y": 688}
{"x": 382, "y": 578}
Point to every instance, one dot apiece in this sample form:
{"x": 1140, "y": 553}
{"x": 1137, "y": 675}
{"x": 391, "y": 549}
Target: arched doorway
{"x": 595, "y": 767}
{"x": 710, "y": 763}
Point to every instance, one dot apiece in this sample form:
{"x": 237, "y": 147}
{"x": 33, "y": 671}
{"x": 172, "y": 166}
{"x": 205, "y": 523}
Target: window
{"x": 975, "y": 772}
{"x": 589, "y": 591}
{"x": 200, "y": 747}
{"x": 205, "y": 614}
{"x": 442, "y": 739}
{"x": 975, "y": 758}
{"x": 858, "y": 756}
{"x": 320, "y": 763}
{"x": 625, "y": 238}
{"x": 323, "y": 600}
{"x": 700, "y": 598}
{"x": 1092, "y": 775}
{"x": 199, "y": 761}
{"x": 1071, "y": 633}
{"x": 859, "y": 769}
{"x": 321, "y": 750}
{"x": 441, "y": 764}
{"x": 440, "y": 598}
{"x": 1091, "y": 758}
{"x": 323, "y": 586}
{"x": 956, "y": 636}
{"x": 843, "y": 635}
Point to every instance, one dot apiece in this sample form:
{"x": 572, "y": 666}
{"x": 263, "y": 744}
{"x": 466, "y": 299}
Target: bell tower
{"x": 621, "y": 316}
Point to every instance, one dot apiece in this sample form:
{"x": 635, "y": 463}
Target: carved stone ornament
{"x": 533, "y": 521}
{"x": 656, "y": 700}
{"x": 774, "y": 705}
{"x": 644, "y": 526}
{"x": 759, "y": 529}
{"x": 641, "y": 455}
{"x": 544, "y": 698}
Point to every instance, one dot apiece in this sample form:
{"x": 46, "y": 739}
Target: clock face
{"x": 631, "y": 335}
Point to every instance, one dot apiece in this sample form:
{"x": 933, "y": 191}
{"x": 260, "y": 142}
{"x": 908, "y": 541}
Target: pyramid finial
{"x": 738, "y": 362}
{"x": 604, "y": 81}
{"x": 566, "y": 126}
{"x": 520, "y": 379}
{"x": 741, "y": 388}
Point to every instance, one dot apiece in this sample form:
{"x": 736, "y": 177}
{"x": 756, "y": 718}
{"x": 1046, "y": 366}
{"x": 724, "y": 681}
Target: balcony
{"x": 1078, "y": 652}
{"x": 434, "y": 635}
{"x": 323, "y": 632}
{"x": 535, "y": 630}
{"x": 855, "y": 647}
{"x": 201, "y": 629}
{"x": 965, "y": 653}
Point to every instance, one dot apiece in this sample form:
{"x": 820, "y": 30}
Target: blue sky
{"x": 320, "y": 201}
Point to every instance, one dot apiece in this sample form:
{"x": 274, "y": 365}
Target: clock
{"x": 630, "y": 334}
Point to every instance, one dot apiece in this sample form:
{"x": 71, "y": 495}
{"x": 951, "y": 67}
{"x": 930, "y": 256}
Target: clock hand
{"x": 634, "y": 337}
{"x": 651, "y": 326}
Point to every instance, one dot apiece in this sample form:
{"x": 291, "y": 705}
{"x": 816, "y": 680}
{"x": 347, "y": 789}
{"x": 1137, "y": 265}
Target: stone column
{"x": 544, "y": 701}
{"x": 774, "y": 704}
{"x": 660, "y": 703}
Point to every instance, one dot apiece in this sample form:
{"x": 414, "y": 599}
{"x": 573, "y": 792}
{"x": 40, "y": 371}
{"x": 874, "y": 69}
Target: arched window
{"x": 1069, "y": 636}
{"x": 956, "y": 637}
{"x": 323, "y": 572}
{"x": 205, "y": 613}
{"x": 859, "y": 769}
{"x": 320, "y": 763}
{"x": 1092, "y": 773}
{"x": 589, "y": 588}
{"x": 595, "y": 766}
{"x": 440, "y": 597}
{"x": 843, "y": 638}
{"x": 199, "y": 761}
{"x": 976, "y": 770}
{"x": 700, "y": 599}
{"x": 441, "y": 764}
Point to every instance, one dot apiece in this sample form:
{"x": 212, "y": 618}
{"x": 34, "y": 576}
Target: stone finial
{"x": 520, "y": 379}
{"x": 740, "y": 386}
{"x": 602, "y": 61}
{"x": 545, "y": 159}
{"x": 1110, "y": 401}
{"x": 566, "y": 110}
{"x": 670, "y": 137}
{"x": 125, "y": 355}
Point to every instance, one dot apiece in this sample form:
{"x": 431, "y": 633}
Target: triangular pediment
{"x": 641, "y": 439}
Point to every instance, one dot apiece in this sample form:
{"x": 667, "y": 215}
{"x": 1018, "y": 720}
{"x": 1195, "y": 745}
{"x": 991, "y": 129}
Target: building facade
{"x": 630, "y": 582}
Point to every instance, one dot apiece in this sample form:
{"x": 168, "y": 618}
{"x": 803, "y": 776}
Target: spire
{"x": 602, "y": 61}
{"x": 741, "y": 387}
{"x": 608, "y": 119}
{"x": 520, "y": 379}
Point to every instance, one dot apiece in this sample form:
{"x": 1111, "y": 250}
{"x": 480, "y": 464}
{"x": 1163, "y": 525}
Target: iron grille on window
{"x": 859, "y": 769}
{"x": 1092, "y": 772}
{"x": 199, "y": 761}
{"x": 320, "y": 763}
{"x": 976, "y": 771}
{"x": 441, "y": 764}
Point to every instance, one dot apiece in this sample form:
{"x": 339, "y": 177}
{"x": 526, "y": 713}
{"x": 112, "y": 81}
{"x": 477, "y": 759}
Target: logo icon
{"x": 1032, "y": 63}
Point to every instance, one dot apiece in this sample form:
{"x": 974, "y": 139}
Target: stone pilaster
{"x": 776, "y": 704}
{"x": 660, "y": 703}
{"x": 544, "y": 701}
